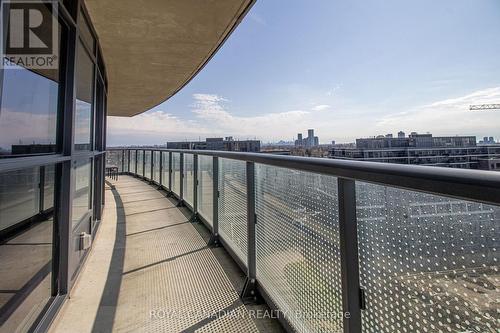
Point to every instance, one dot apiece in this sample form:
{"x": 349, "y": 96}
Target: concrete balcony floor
{"x": 150, "y": 270}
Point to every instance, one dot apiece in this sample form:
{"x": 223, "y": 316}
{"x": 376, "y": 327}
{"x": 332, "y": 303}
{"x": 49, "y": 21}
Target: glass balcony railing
{"x": 346, "y": 246}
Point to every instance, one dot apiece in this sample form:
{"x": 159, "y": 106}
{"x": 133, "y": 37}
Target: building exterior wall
{"x": 54, "y": 193}
{"x": 454, "y": 152}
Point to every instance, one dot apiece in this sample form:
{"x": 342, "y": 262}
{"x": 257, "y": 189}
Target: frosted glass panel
{"x": 176, "y": 175}
{"x": 205, "y": 187}
{"x": 165, "y": 167}
{"x": 188, "y": 191}
{"x": 147, "y": 165}
{"x": 232, "y": 205}
{"x": 156, "y": 166}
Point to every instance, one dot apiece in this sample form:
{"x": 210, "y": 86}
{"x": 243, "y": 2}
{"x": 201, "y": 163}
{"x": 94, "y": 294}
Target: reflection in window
{"x": 19, "y": 196}
{"x": 25, "y": 284}
{"x": 81, "y": 198}
{"x": 84, "y": 100}
{"x": 28, "y": 98}
{"x": 48, "y": 188}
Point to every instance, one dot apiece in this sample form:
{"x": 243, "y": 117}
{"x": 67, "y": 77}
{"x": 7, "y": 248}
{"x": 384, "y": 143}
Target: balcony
{"x": 318, "y": 245}
{"x": 151, "y": 270}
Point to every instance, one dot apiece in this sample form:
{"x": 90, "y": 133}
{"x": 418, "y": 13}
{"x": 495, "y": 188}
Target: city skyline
{"x": 346, "y": 68}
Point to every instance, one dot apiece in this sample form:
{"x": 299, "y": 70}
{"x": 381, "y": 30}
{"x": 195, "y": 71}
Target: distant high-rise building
{"x": 309, "y": 141}
{"x": 488, "y": 140}
{"x": 401, "y": 135}
{"x": 299, "y": 142}
{"x": 310, "y": 138}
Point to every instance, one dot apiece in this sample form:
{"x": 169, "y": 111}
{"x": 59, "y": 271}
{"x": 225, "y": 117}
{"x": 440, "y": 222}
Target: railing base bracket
{"x": 194, "y": 218}
{"x": 250, "y": 294}
{"x": 214, "y": 241}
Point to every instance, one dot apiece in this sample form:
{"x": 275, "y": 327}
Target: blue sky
{"x": 348, "y": 68}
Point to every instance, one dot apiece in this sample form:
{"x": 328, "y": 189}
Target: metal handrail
{"x": 474, "y": 185}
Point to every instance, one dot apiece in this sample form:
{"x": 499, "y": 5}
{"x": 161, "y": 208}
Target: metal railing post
{"x": 170, "y": 171}
{"x": 195, "y": 187}
{"x": 160, "y": 176}
{"x": 143, "y": 164}
{"x": 181, "y": 176}
{"x": 214, "y": 239}
{"x": 128, "y": 161}
{"x": 151, "y": 174}
{"x": 136, "y": 158}
{"x": 123, "y": 160}
{"x": 249, "y": 292}
{"x": 351, "y": 292}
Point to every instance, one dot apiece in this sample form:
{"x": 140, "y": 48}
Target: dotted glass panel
{"x": 147, "y": 165}
{"x": 156, "y": 166}
{"x": 188, "y": 179}
{"x": 125, "y": 161}
{"x": 205, "y": 187}
{"x": 233, "y": 205}
{"x": 164, "y": 170}
{"x": 132, "y": 161}
{"x": 140, "y": 166}
{"x": 114, "y": 159}
{"x": 297, "y": 238}
{"x": 176, "y": 173}
{"x": 428, "y": 263}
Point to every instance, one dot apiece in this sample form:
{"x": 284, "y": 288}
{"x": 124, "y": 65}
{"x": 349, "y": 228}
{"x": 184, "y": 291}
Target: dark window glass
{"x": 99, "y": 115}
{"x": 85, "y": 32}
{"x": 48, "y": 188}
{"x": 25, "y": 252}
{"x": 84, "y": 100}
{"x": 71, "y": 7}
{"x": 81, "y": 197}
{"x": 19, "y": 196}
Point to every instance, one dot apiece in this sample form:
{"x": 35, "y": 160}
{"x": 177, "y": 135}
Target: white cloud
{"x": 152, "y": 128}
{"x": 211, "y": 109}
{"x": 213, "y": 117}
{"x": 450, "y": 116}
{"x": 321, "y": 107}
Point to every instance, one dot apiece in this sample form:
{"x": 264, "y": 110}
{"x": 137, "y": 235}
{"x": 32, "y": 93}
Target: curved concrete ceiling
{"x": 152, "y": 48}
